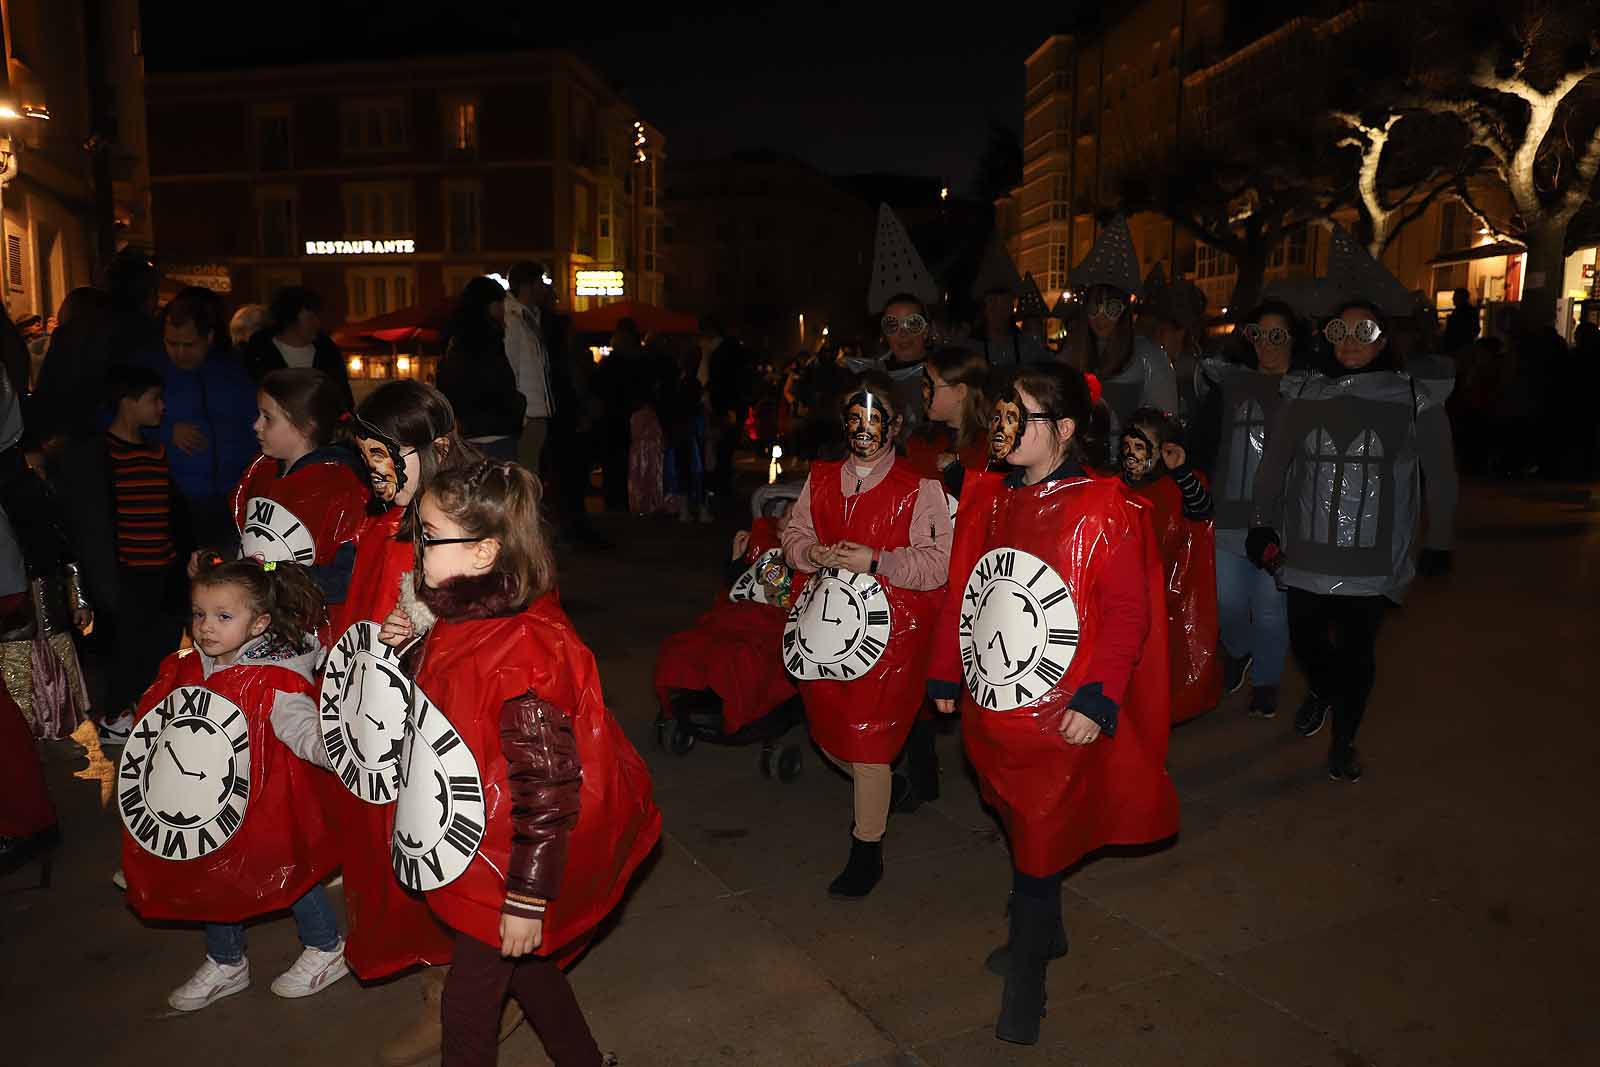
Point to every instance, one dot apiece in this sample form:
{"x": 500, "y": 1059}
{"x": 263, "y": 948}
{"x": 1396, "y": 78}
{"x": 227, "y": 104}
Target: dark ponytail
{"x": 1064, "y": 392}
{"x": 283, "y": 591}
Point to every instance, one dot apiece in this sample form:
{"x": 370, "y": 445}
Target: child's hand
{"x": 852, "y": 557}
{"x": 1078, "y": 729}
{"x": 741, "y": 541}
{"x": 1173, "y": 455}
{"x": 397, "y": 629}
{"x": 944, "y": 705}
{"x": 519, "y": 936}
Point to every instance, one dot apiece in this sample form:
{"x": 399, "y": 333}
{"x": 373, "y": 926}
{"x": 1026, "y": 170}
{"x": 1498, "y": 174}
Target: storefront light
{"x": 599, "y": 283}
{"x": 404, "y": 247}
{"x": 402, "y": 365}
{"x": 355, "y": 365}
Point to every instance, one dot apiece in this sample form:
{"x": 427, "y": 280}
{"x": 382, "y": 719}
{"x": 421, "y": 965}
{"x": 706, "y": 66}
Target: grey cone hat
{"x": 997, "y": 272}
{"x": 1111, "y": 261}
{"x": 1030, "y": 303}
{"x": 1312, "y": 298}
{"x": 896, "y": 266}
{"x": 1353, "y": 271}
{"x": 1061, "y": 310}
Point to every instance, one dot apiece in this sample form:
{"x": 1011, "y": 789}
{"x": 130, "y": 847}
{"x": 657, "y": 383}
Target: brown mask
{"x": 1139, "y": 456}
{"x": 1005, "y": 427}
{"x": 867, "y": 425}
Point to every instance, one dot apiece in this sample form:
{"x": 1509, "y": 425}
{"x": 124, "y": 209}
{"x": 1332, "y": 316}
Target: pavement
{"x": 1441, "y": 911}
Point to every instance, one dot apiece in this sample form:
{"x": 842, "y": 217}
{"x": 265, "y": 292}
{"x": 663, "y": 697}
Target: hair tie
{"x": 269, "y": 567}
{"x": 346, "y": 416}
{"x": 214, "y": 560}
{"x": 1093, "y": 383}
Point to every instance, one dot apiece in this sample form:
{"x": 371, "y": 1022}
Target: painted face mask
{"x": 1139, "y": 454}
{"x": 385, "y": 460}
{"x": 866, "y": 425}
{"x": 1005, "y": 427}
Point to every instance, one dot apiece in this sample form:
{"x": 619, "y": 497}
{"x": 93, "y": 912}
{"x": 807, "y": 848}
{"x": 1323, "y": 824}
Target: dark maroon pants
{"x": 475, "y": 993}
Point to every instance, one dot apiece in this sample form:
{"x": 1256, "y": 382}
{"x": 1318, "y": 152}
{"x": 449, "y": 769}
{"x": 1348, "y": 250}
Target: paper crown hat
{"x": 1353, "y": 271}
{"x": 1030, "y": 302}
{"x": 1111, "y": 260}
{"x": 1181, "y": 302}
{"x": 896, "y": 267}
{"x": 996, "y": 272}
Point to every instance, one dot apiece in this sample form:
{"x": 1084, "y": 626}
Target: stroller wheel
{"x": 789, "y": 764}
{"x": 764, "y": 761}
{"x": 682, "y": 740}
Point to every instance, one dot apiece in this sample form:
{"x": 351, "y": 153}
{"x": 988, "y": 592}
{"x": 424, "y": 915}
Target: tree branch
{"x": 1464, "y": 194}
{"x": 1587, "y": 167}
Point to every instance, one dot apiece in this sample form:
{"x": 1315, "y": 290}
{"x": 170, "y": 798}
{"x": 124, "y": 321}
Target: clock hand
{"x": 373, "y": 721}
{"x": 826, "y": 593}
{"x": 176, "y": 760}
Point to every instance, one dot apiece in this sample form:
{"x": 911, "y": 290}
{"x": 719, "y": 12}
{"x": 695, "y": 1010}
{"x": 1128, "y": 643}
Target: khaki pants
{"x": 874, "y": 787}
{"x": 531, "y": 448}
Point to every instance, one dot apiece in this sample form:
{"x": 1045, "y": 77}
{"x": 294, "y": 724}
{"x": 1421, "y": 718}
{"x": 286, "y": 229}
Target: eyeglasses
{"x": 428, "y": 542}
{"x": 1366, "y": 331}
{"x": 913, "y": 324}
{"x": 1023, "y": 419}
{"x": 1275, "y": 336}
{"x": 1108, "y": 309}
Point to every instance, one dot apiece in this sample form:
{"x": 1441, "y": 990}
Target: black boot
{"x": 862, "y": 872}
{"x": 998, "y": 962}
{"x": 921, "y": 766}
{"x": 1022, "y": 1002}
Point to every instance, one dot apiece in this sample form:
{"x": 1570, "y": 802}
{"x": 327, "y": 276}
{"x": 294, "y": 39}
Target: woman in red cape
{"x": 1156, "y": 468}
{"x": 875, "y": 539}
{"x": 1056, "y": 600}
{"x": 523, "y": 809}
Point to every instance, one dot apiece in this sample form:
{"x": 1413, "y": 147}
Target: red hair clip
{"x": 1093, "y": 383}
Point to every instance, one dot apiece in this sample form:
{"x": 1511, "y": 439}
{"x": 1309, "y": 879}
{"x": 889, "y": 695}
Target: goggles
{"x": 1366, "y": 331}
{"x": 913, "y": 324}
{"x": 1023, "y": 419}
{"x": 1111, "y": 308}
{"x": 1257, "y": 336}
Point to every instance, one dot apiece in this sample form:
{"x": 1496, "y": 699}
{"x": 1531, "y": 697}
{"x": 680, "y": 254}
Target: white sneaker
{"x": 119, "y": 879}
{"x": 211, "y": 983}
{"x": 313, "y": 972}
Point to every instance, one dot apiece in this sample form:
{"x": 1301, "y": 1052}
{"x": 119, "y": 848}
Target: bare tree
{"x": 1387, "y": 207}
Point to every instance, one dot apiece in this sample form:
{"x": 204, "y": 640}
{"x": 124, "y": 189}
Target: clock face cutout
{"x": 749, "y": 587}
{"x": 184, "y": 777}
{"x": 1019, "y": 629}
{"x": 362, "y": 713}
{"x": 439, "y": 818}
{"x": 838, "y": 627}
{"x": 273, "y": 534}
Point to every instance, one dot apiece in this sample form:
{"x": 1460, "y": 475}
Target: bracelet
{"x": 872, "y": 568}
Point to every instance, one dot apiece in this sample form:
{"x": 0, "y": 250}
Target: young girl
{"x": 303, "y": 500}
{"x": 1156, "y": 468}
{"x": 1056, "y": 597}
{"x": 955, "y": 438}
{"x": 548, "y": 809}
{"x": 222, "y": 819}
{"x": 875, "y": 538}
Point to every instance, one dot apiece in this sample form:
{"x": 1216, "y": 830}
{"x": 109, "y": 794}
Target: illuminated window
{"x": 1059, "y": 208}
{"x": 461, "y": 126}
{"x": 462, "y": 201}
{"x": 1055, "y": 277}
{"x": 375, "y": 125}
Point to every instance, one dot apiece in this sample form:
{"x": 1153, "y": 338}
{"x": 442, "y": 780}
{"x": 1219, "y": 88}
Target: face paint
{"x": 1138, "y": 456}
{"x": 866, "y": 425}
{"x": 1005, "y": 427}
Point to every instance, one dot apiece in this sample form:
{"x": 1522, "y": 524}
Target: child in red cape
{"x": 1155, "y": 466}
{"x": 222, "y": 819}
{"x": 1055, "y": 602}
{"x": 523, "y": 809}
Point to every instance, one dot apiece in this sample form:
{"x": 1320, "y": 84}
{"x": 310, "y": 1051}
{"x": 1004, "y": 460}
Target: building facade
{"x": 388, "y": 185}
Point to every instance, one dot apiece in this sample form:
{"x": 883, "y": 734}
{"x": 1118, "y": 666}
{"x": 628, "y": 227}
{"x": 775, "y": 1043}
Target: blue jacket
{"x": 219, "y": 397}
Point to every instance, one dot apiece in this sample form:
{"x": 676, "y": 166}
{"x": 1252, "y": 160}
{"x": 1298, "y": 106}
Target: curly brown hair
{"x": 500, "y": 500}
{"x": 284, "y": 592}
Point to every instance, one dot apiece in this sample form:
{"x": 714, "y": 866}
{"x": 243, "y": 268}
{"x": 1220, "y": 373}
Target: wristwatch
{"x": 872, "y": 568}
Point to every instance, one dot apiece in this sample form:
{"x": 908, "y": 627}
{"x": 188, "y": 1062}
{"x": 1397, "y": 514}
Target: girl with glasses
{"x": 1135, "y": 371}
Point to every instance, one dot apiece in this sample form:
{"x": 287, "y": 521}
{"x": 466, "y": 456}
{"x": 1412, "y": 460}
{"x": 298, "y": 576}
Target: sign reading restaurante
{"x": 360, "y": 248}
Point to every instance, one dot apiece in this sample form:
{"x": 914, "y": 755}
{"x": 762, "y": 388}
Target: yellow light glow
{"x": 8, "y": 112}
{"x": 402, "y": 365}
{"x": 599, "y": 283}
{"x": 599, "y": 352}
{"x": 355, "y": 364}
{"x": 357, "y": 248}
{"x": 944, "y": 192}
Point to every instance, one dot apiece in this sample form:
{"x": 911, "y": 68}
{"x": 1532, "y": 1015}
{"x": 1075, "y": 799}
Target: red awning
{"x": 647, "y": 317}
{"x": 413, "y": 324}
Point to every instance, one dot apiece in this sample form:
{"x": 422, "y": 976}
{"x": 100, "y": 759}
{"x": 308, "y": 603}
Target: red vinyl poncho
{"x": 1058, "y": 801}
{"x": 389, "y": 928}
{"x": 469, "y": 670}
{"x": 300, "y": 518}
{"x": 25, "y": 807}
{"x": 923, "y": 452}
{"x": 867, "y": 718}
{"x": 735, "y": 650}
{"x": 274, "y": 854}
{"x": 1189, "y": 560}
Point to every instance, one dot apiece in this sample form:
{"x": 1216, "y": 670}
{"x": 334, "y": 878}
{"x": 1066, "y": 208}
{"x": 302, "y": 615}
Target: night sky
{"x": 848, "y": 90}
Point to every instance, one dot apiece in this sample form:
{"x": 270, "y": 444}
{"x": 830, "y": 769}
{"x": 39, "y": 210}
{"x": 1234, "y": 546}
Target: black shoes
{"x": 920, "y": 769}
{"x": 1234, "y": 668}
{"x": 998, "y": 962}
{"x": 1344, "y": 765}
{"x": 1033, "y": 928}
{"x": 1264, "y": 702}
{"x": 861, "y": 873}
{"x": 904, "y": 797}
{"x": 1312, "y": 714}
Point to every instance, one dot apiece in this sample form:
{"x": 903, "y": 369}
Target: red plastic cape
{"x": 25, "y": 806}
{"x": 469, "y": 670}
{"x": 388, "y": 928}
{"x": 867, "y": 719}
{"x": 1189, "y": 560}
{"x": 329, "y": 498}
{"x": 281, "y": 849}
{"x": 923, "y": 452}
{"x": 1059, "y": 801}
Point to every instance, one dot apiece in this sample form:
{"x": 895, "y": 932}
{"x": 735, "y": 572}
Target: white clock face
{"x": 439, "y": 818}
{"x": 838, "y": 627}
{"x": 749, "y": 587}
{"x": 184, "y": 777}
{"x": 1019, "y": 629}
{"x": 273, "y": 534}
{"x": 363, "y": 713}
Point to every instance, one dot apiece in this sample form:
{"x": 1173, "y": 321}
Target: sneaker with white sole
{"x": 119, "y": 879}
{"x": 313, "y": 972}
{"x": 211, "y": 983}
{"x": 114, "y": 733}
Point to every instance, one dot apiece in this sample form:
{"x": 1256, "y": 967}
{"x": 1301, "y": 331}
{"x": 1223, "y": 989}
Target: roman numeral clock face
{"x": 272, "y": 534}
{"x": 362, "y": 713}
{"x": 838, "y": 627}
{"x": 184, "y": 779}
{"x": 1019, "y": 629}
{"x": 439, "y": 818}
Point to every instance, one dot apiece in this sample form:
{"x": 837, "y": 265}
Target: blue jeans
{"x": 1253, "y": 615}
{"x": 313, "y": 917}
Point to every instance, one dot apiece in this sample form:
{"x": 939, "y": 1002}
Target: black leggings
{"x": 475, "y": 991}
{"x": 1335, "y": 640}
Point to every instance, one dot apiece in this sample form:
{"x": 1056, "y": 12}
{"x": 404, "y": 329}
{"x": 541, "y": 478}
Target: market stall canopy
{"x": 419, "y": 323}
{"x": 647, "y": 317}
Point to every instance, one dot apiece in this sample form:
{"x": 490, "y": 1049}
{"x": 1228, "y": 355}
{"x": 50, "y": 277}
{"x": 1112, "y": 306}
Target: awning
{"x": 647, "y": 317}
{"x": 417, "y": 324}
{"x": 1467, "y": 255}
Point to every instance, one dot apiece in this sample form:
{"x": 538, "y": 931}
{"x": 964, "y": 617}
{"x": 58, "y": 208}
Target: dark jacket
{"x": 219, "y": 397}
{"x": 546, "y": 781}
{"x": 730, "y": 379}
{"x": 482, "y": 388}
{"x": 262, "y": 356}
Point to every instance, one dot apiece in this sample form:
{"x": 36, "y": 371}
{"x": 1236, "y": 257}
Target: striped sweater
{"x": 142, "y": 498}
